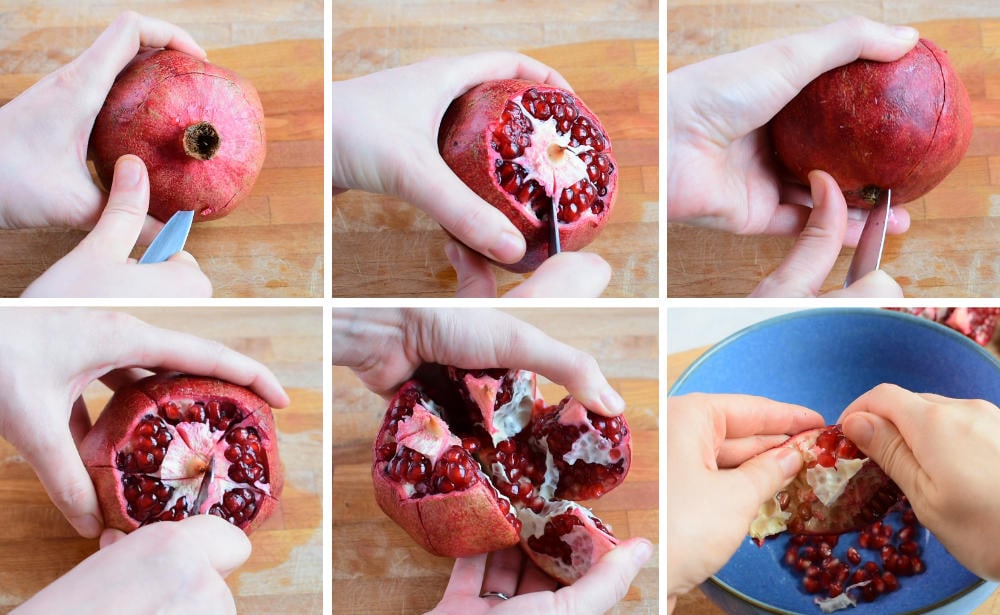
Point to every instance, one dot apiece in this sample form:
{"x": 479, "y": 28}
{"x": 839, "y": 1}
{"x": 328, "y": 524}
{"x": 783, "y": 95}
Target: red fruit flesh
{"x": 519, "y": 145}
{"x": 198, "y": 127}
{"x": 171, "y": 446}
{"x": 873, "y": 126}
{"x": 459, "y": 464}
{"x": 978, "y": 324}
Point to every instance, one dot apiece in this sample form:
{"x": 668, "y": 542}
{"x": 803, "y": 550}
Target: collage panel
{"x": 399, "y": 520}
{"x": 888, "y": 409}
{"x": 236, "y": 138}
{"x": 86, "y": 425}
{"x": 413, "y": 170}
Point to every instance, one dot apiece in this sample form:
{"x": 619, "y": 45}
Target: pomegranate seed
{"x": 827, "y": 439}
{"x": 791, "y": 556}
{"x": 847, "y": 450}
{"x": 853, "y": 556}
{"x": 869, "y": 593}
{"x": 811, "y": 585}
{"x": 836, "y": 588}
{"x": 872, "y": 568}
{"x": 909, "y": 547}
{"x": 384, "y": 452}
{"x": 798, "y": 539}
{"x": 887, "y": 552}
{"x": 810, "y": 553}
{"x": 909, "y": 517}
{"x": 824, "y": 550}
{"x": 470, "y": 444}
{"x": 907, "y": 533}
{"x": 890, "y": 581}
{"x": 918, "y": 566}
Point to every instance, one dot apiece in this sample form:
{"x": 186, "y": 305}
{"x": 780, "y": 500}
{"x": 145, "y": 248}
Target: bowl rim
{"x": 822, "y": 312}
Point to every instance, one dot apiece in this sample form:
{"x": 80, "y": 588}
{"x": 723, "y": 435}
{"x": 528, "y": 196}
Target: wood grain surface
{"x": 272, "y": 245}
{"x": 950, "y": 249}
{"x": 284, "y": 572}
{"x": 379, "y": 570}
{"x": 696, "y": 602}
{"x": 606, "y": 49}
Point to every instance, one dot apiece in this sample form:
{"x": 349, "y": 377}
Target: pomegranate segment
{"x": 976, "y": 323}
{"x": 522, "y": 145}
{"x": 171, "y": 446}
{"x": 457, "y": 463}
{"x": 838, "y": 490}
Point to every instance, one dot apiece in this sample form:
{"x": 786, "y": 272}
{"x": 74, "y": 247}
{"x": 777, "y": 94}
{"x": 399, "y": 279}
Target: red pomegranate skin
{"x": 148, "y": 109}
{"x": 465, "y": 141}
{"x": 902, "y": 125}
{"x": 130, "y": 404}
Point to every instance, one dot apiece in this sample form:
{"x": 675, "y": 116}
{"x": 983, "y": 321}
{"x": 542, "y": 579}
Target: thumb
{"x": 568, "y": 274}
{"x": 881, "y": 441}
{"x": 759, "y": 478}
{"x": 475, "y": 276}
{"x": 616, "y": 569}
{"x": 121, "y": 222}
{"x": 224, "y": 544}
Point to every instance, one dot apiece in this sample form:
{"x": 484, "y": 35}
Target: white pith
{"x": 590, "y": 446}
{"x": 829, "y": 483}
{"x": 843, "y": 601}
{"x": 579, "y": 539}
{"x": 553, "y": 173}
{"x": 427, "y": 433}
{"x": 512, "y": 417}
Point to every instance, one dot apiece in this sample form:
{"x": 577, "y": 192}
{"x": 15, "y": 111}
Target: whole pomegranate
{"x": 519, "y": 145}
{"x": 873, "y": 126}
{"x": 198, "y": 127}
{"x": 838, "y": 489}
{"x": 170, "y": 446}
{"x": 473, "y": 461}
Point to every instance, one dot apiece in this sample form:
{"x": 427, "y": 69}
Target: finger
{"x": 503, "y": 569}
{"x": 811, "y": 259}
{"x": 534, "y": 579}
{"x": 760, "y": 477}
{"x": 79, "y": 421}
{"x": 475, "y": 276}
{"x": 479, "y": 67}
{"x": 224, "y": 544}
{"x": 57, "y": 463}
{"x": 150, "y": 229}
{"x": 880, "y": 440}
{"x": 109, "y": 537}
{"x": 118, "y": 228}
{"x": 569, "y": 274}
{"x": 876, "y": 283}
{"x": 118, "y": 378}
{"x": 791, "y": 215}
{"x": 607, "y": 581}
{"x": 466, "y": 576}
{"x": 751, "y": 415}
{"x": 735, "y": 451}
{"x": 184, "y": 257}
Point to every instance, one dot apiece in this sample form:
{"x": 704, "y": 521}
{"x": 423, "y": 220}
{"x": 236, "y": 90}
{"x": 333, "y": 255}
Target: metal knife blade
{"x": 170, "y": 240}
{"x": 206, "y": 485}
{"x": 554, "y": 247}
{"x": 868, "y": 254}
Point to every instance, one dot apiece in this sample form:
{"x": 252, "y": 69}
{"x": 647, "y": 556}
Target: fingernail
{"x": 904, "y": 33}
{"x": 643, "y": 550}
{"x": 862, "y": 429}
{"x": 612, "y": 401}
{"x": 790, "y": 461}
{"x": 127, "y": 172}
{"x": 87, "y": 525}
{"x": 508, "y": 247}
{"x": 855, "y": 213}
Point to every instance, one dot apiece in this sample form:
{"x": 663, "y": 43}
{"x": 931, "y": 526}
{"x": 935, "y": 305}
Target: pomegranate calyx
{"x": 201, "y": 141}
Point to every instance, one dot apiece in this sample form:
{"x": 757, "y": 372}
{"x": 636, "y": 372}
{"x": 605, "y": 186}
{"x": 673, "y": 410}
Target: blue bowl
{"x": 824, "y": 359}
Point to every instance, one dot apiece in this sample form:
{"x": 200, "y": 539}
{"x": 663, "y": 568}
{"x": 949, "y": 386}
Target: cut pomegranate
{"x": 837, "y": 490}
{"x": 473, "y": 461}
{"x": 520, "y": 145}
{"x": 171, "y": 446}
{"x": 976, "y": 323}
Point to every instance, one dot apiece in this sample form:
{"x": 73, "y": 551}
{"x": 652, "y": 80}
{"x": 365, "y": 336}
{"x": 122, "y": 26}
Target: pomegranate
{"x": 474, "y": 461}
{"x": 837, "y": 490}
{"x": 978, "y": 324}
{"x": 902, "y": 125}
{"x": 170, "y": 446}
{"x": 198, "y": 127}
{"x": 519, "y": 145}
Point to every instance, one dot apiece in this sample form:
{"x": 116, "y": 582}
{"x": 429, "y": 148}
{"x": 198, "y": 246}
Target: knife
{"x": 170, "y": 240}
{"x": 206, "y": 485}
{"x": 868, "y": 254}
{"x": 554, "y": 247}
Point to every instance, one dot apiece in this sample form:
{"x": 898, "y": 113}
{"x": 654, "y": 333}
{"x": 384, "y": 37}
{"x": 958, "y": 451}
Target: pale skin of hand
{"x": 385, "y": 128}
{"x": 722, "y": 465}
{"x": 532, "y": 591}
{"x": 99, "y": 266}
{"x": 43, "y": 164}
{"x": 721, "y": 173}
{"x": 385, "y": 346}
{"x": 814, "y": 254}
{"x": 940, "y": 452}
{"x": 178, "y": 567}
{"x": 48, "y": 358}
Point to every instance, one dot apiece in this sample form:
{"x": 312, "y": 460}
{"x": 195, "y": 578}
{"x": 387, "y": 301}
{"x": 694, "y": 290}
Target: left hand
{"x": 532, "y": 591}
{"x": 722, "y": 465}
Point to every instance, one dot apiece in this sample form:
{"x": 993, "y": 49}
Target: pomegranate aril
{"x": 853, "y": 556}
{"x": 237, "y": 506}
{"x": 827, "y": 439}
{"x": 384, "y": 452}
{"x": 907, "y": 533}
{"x": 918, "y": 565}
{"x": 550, "y": 543}
{"x": 575, "y": 200}
{"x": 146, "y": 496}
{"x": 909, "y": 548}
{"x": 836, "y": 588}
{"x": 890, "y": 581}
{"x": 909, "y": 517}
{"x": 827, "y": 460}
{"x": 791, "y": 556}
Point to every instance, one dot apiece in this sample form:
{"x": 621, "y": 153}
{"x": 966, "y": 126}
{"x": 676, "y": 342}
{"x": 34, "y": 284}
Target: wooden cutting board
{"x": 379, "y": 570}
{"x": 284, "y": 572}
{"x": 696, "y": 602}
{"x": 385, "y": 247}
{"x": 951, "y": 248}
{"x": 272, "y": 244}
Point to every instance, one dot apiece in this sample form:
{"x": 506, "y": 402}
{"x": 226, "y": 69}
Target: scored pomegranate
{"x": 198, "y": 127}
{"x": 873, "y": 126}
{"x": 171, "y": 446}
{"x": 977, "y": 324}
{"x": 520, "y": 145}
{"x": 474, "y": 461}
{"x": 838, "y": 489}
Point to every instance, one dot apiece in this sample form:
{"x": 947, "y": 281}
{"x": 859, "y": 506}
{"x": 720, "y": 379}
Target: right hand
{"x": 176, "y": 567}
{"x": 941, "y": 452}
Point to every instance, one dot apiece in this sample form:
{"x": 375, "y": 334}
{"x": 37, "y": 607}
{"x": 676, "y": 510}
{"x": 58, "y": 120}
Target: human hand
{"x": 176, "y": 567}
{"x": 385, "y": 346}
{"x": 530, "y": 590}
{"x": 721, "y": 172}
{"x": 43, "y": 164}
{"x": 722, "y": 465}
{"x": 47, "y": 359}
{"x": 811, "y": 259}
{"x": 99, "y": 266}
{"x": 568, "y": 274}
{"x": 939, "y": 451}
{"x": 388, "y": 143}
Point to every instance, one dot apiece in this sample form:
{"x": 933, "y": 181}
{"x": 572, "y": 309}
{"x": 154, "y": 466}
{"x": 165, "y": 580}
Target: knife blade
{"x": 554, "y": 247}
{"x": 868, "y": 254}
{"x": 206, "y": 485}
{"x": 170, "y": 240}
